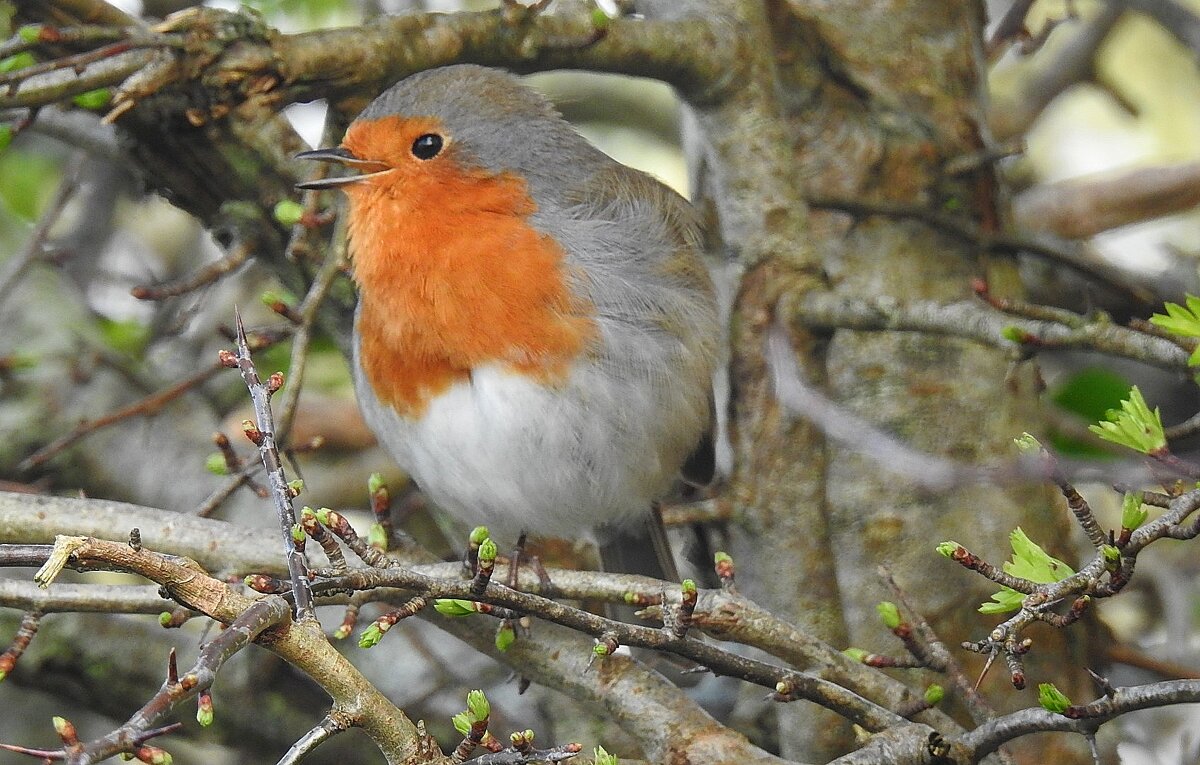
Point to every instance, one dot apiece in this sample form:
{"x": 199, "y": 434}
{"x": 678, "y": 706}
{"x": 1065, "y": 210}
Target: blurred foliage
{"x": 1089, "y": 393}
{"x": 29, "y": 181}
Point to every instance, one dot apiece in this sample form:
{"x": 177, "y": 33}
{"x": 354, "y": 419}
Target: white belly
{"x": 504, "y": 451}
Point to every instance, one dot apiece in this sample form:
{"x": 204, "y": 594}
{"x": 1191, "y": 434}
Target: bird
{"x": 536, "y": 332}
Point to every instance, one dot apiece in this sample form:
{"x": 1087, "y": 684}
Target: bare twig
{"x": 202, "y": 277}
{"x": 146, "y": 407}
{"x": 264, "y": 438}
{"x": 329, "y": 727}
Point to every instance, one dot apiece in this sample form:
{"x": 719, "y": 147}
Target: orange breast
{"x": 452, "y": 276}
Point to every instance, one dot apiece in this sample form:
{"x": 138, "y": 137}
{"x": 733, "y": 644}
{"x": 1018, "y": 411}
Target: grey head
{"x": 495, "y": 121}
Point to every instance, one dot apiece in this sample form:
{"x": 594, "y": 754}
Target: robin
{"x": 536, "y": 332}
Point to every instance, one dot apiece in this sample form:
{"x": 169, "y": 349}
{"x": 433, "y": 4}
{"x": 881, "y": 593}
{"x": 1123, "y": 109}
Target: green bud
{"x": 160, "y": 756}
{"x": 164, "y": 619}
{"x": 341, "y": 633}
{"x": 377, "y": 537}
{"x": 6, "y": 136}
{"x": 454, "y": 607}
{"x": 478, "y": 706}
{"x": 722, "y": 557}
{"x": 599, "y": 19}
{"x": 205, "y": 716}
{"x": 93, "y": 100}
{"x": 505, "y": 637}
{"x": 1052, "y": 699}
{"x": 370, "y": 636}
{"x": 600, "y": 650}
{"x": 478, "y": 534}
{"x": 1133, "y": 515}
{"x": 1110, "y": 553}
{"x": 857, "y": 654}
{"x": 296, "y": 486}
{"x": 375, "y": 482}
{"x": 602, "y": 757}
{"x": 19, "y": 61}
{"x": 688, "y": 587}
{"x": 215, "y": 464}
{"x": 488, "y": 551}
{"x": 297, "y": 533}
{"x": 30, "y": 33}
{"x": 461, "y": 723}
{"x": 934, "y": 694}
{"x": 1013, "y": 334}
{"x": 948, "y": 549}
{"x": 1027, "y": 444}
{"x": 288, "y": 212}
{"x": 323, "y": 516}
{"x": 3, "y": 675}
{"x": 888, "y": 614}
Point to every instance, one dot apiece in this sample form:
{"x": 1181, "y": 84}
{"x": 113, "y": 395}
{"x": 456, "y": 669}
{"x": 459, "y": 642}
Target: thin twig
{"x": 202, "y": 277}
{"x": 269, "y": 452}
{"x": 145, "y": 407}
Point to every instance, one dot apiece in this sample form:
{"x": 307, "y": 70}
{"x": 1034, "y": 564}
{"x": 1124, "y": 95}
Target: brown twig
{"x": 202, "y": 277}
{"x": 261, "y": 393}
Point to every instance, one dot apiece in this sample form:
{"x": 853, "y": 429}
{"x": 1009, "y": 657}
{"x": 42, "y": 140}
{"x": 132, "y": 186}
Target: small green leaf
{"x": 1027, "y": 444}
{"x": 934, "y": 694}
{"x": 602, "y": 757}
{"x": 1052, "y": 699}
{"x": 688, "y": 587}
{"x": 1133, "y": 514}
{"x": 462, "y": 723}
{"x": 454, "y": 607}
{"x": 1134, "y": 426}
{"x": 93, "y": 100}
{"x": 888, "y": 614}
{"x": 488, "y": 551}
{"x": 478, "y": 534}
{"x": 1110, "y": 554}
{"x": 288, "y": 212}
{"x": 1029, "y": 561}
{"x": 1179, "y": 320}
{"x": 370, "y": 636}
{"x": 948, "y": 548}
{"x": 1014, "y": 334}
{"x": 477, "y": 706}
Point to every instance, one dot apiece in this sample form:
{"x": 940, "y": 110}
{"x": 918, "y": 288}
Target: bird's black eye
{"x": 427, "y": 146}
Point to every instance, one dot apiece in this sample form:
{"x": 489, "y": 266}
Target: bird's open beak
{"x": 368, "y": 168}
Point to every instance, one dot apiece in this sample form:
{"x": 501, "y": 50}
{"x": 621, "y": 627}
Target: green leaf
{"x": 1133, "y": 426}
{"x": 1029, "y": 561}
{"x": 1179, "y": 320}
{"x": 370, "y": 636}
{"x": 857, "y": 654}
{"x": 1133, "y": 514}
{"x": 477, "y": 706}
{"x": 934, "y": 694}
{"x": 601, "y": 757}
{"x": 6, "y": 136}
{"x": 461, "y": 723}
